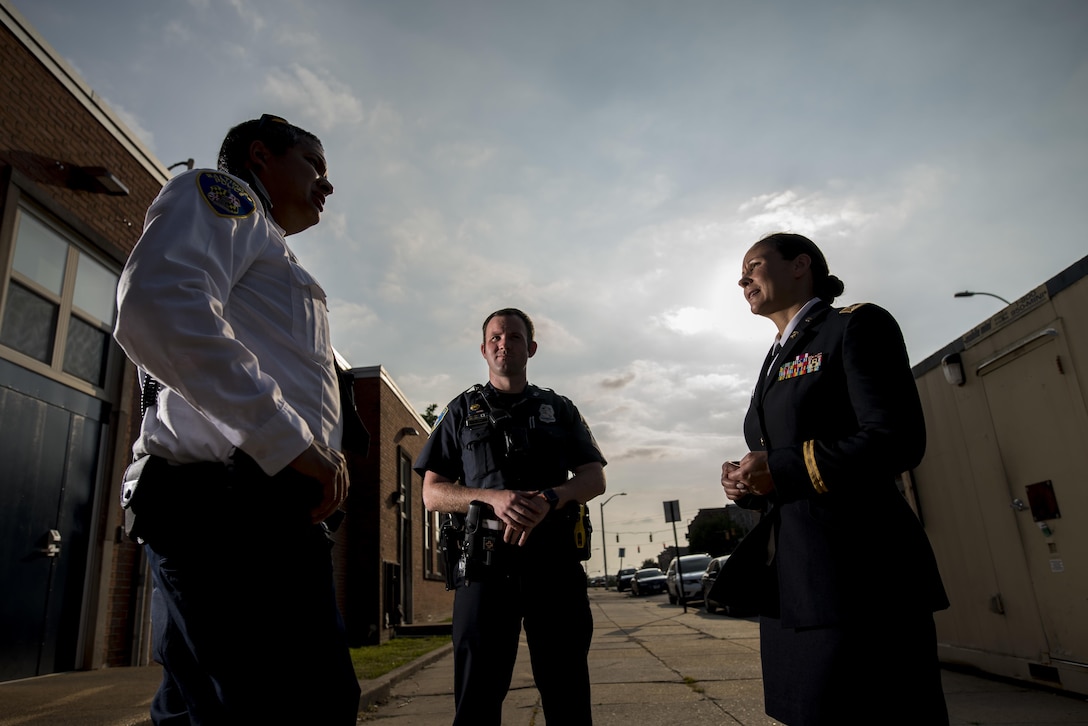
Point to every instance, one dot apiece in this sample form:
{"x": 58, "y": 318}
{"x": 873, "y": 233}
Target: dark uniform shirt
{"x": 527, "y": 441}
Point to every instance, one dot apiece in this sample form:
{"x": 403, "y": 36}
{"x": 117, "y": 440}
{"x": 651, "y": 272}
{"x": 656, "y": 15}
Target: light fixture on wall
{"x": 972, "y": 293}
{"x": 188, "y": 164}
{"x": 107, "y": 181}
{"x": 952, "y": 366}
{"x": 406, "y": 431}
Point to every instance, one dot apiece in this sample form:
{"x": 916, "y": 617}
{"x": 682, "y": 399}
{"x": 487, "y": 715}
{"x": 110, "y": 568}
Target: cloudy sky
{"x": 604, "y": 165}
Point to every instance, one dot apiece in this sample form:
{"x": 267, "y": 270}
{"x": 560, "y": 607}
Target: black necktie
{"x": 773, "y": 357}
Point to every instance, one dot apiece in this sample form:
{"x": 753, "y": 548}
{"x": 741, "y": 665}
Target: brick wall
{"x": 372, "y": 541}
{"x": 46, "y": 136}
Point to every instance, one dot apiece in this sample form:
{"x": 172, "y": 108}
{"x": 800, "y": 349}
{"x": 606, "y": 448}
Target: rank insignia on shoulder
{"x": 851, "y": 308}
{"x": 802, "y": 364}
{"x": 225, "y": 196}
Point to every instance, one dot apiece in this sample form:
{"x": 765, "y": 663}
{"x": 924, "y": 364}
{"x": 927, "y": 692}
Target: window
{"x": 429, "y": 548}
{"x": 59, "y": 305}
{"x": 434, "y": 562}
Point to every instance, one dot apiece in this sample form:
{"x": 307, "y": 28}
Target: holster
{"x": 129, "y": 487}
{"x": 450, "y": 539}
{"x": 483, "y": 546}
{"x": 583, "y": 533}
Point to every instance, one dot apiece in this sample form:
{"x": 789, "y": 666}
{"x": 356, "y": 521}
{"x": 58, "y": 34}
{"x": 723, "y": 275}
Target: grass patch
{"x": 372, "y": 661}
{"x": 694, "y": 684}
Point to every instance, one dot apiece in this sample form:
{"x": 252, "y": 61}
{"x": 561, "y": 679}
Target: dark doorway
{"x": 50, "y": 437}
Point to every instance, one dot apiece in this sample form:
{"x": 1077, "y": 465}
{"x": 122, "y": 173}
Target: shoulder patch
{"x": 851, "y": 308}
{"x": 224, "y": 195}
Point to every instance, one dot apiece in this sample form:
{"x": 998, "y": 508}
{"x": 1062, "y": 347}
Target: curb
{"x": 377, "y": 690}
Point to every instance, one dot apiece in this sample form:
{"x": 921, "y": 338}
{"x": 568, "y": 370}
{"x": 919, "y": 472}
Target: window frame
{"x": 19, "y": 199}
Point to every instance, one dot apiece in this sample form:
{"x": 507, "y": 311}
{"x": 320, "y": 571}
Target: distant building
{"x": 667, "y": 555}
{"x": 388, "y": 566}
{"x": 718, "y": 530}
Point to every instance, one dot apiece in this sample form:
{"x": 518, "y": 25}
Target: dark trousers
{"x": 244, "y": 615}
{"x": 553, "y": 605}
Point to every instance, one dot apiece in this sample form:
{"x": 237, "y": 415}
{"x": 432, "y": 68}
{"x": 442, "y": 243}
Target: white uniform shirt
{"x": 214, "y": 306}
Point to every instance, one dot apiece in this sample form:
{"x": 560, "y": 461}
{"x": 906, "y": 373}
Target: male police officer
{"x": 510, "y": 446}
{"x": 238, "y": 461}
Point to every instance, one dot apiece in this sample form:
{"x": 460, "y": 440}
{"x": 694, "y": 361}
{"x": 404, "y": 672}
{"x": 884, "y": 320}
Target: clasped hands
{"x": 750, "y": 475}
{"x": 520, "y": 512}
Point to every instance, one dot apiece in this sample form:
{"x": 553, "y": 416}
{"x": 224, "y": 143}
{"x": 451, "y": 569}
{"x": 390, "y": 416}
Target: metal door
{"x": 50, "y": 437}
{"x": 1041, "y": 427}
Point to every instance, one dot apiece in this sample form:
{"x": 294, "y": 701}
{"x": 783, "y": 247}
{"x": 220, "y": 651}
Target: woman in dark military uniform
{"x": 839, "y": 568}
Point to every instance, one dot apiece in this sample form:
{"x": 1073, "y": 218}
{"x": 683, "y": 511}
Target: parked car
{"x": 692, "y": 567}
{"x": 710, "y": 574}
{"x": 623, "y": 579}
{"x": 648, "y": 581}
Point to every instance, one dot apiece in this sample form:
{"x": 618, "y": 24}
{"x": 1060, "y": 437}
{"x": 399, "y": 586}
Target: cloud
{"x": 463, "y": 155}
{"x": 176, "y": 34}
{"x": 618, "y": 381}
{"x": 250, "y": 15}
{"x": 688, "y": 320}
{"x": 133, "y": 122}
{"x": 811, "y": 213}
{"x": 315, "y": 97}
{"x": 352, "y": 324}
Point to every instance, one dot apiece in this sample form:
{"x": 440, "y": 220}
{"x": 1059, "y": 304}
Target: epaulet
{"x": 851, "y": 308}
{"x": 535, "y": 390}
{"x": 225, "y": 195}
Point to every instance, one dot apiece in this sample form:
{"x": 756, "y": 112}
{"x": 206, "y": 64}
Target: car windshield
{"x": 695, "y": 563}
{"x": 649, "y": 572}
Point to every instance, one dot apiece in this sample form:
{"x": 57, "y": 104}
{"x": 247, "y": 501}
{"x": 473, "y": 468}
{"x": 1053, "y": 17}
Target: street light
{"x": 969, "y": 293}
{"x": 604, "y": 547}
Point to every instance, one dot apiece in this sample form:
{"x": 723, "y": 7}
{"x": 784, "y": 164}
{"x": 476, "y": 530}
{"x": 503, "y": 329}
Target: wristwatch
{"x": 551, "y": 497}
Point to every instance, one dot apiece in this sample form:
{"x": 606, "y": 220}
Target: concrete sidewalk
{"x": 651, "y": 664}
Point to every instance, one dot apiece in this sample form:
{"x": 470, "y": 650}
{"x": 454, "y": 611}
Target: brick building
{"x": 388, "y": 562}
{"x": 74, "y": 186}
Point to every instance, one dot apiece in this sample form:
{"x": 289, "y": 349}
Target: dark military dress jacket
{"x": 840, "y": 417}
